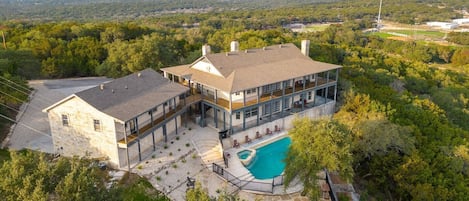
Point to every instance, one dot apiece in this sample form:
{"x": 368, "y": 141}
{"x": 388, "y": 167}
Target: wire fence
{"x": 260, "y": 186}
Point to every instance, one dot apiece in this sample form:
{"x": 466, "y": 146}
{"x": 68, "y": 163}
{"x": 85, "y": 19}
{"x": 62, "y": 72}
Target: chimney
{"x": 305, "y": 47}
{"x": 205, "y": 50}
{"x": 234, "y": 46}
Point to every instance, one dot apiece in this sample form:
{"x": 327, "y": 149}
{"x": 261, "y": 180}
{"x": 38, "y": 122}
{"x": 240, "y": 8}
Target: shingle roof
{"x": 126, "y": 97}
{"x": 253, "y": 68}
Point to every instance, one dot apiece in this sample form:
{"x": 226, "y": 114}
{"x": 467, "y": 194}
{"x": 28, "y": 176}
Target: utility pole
{"x": 378, "y": 26}
{"x": 4, "y": 41}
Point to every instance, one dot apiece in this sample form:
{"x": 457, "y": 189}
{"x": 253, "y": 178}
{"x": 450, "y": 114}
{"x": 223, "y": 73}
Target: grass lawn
{"x": 431, "y": 34}
{"x": 316, "y": 27}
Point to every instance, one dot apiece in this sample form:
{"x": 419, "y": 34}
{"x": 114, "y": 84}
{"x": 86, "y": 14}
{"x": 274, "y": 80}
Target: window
{"x": 276, "y": 106}
{"x": 238, "y": 115}
{"x": 286, "y": 103}
{"x": 237, "y": 93}
{"x": 310, "y": 95}
{"x": 271, "y": 87}
{"x": 250, "y": 112}
{"x": 65, "y": 120}
{"x": 133, "y": 128}
{"x": 250, "y": 91}
{"x": 97, "y": 125}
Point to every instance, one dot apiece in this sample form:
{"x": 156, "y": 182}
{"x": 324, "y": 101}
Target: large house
{"x": 119, "y": 120}
{"x": 256, "y": 91}
{"x": 241, "y": 93}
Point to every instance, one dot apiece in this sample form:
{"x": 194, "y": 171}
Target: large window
{"x": 238, "y": 115}
{"x": 97, "y": 125}
{"x": 250, "y": 112}
{"x": 271, "y": 87}
{"x": 275, "y": 107}
{"x": 65, "y": 120}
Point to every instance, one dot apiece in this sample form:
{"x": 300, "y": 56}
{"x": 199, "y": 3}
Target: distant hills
{"x": 109, "y": 9}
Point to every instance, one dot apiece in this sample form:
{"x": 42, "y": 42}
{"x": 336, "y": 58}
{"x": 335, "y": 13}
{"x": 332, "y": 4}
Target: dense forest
{"x": 405, "y": 104}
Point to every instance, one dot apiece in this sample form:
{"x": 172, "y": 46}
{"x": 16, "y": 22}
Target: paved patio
{"x": 168, "y": 169}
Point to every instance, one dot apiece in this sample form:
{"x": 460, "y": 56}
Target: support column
{"x": 216, "y": 96}
{"x": 126, "y": 147}
{"x": 176, "y": 124}
{"x": 244, "y": 119}
{"x": 153, "y": 140}
{"x": 325, "y": 95}
{"x": 164, "y": 133}
{"x": 224, "y": 120}
{"x": 244, "y": 97}
{"x": 335, "y": 93}
{"x": 293, "y": 93}
{"x": 138, "y": 139}
{"x": 202, "y": 117}
{"x": 282, "y": 105}
{"x": 231, "y": 124}
{"x": 215, "y": 115}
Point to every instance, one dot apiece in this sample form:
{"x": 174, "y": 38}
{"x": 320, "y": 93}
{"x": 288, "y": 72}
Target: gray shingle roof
{"x": 129, "y": 96}
{"x": 253, "y": 68}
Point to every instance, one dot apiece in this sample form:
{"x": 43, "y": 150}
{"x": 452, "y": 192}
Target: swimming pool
{"x": 268, "y": 161}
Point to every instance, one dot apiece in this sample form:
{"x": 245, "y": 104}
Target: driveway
{"x": 33, "y": 131}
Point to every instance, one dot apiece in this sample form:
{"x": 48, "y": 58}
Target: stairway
{"x": 210, "y": 151}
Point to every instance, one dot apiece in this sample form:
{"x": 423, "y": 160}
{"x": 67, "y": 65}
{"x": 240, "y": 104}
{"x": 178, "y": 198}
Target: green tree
{"x": 317, "y": 144}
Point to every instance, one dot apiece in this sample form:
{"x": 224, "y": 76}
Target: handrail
{"x": 247, "y": 184}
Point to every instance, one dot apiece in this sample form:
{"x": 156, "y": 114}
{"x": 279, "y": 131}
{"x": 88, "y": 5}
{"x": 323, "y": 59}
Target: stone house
{"x": 120, "y": 120}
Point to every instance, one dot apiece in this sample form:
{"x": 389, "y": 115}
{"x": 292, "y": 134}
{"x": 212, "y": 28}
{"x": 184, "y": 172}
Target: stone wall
{"x": 79, "y": 137}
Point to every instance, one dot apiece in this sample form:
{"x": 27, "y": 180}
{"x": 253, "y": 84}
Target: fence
{"x": 261, "y": 186}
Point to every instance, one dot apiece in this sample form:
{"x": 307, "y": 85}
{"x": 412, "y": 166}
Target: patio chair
{"x": 248, "y": 140}
{"x": 268, "y": 131}
{"x": 235, "y": 143}
{"x": 258, "y": 135}
{"x": 277, "y": 128}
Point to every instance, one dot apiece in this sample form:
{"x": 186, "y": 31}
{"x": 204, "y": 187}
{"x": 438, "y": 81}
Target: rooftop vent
{"x": 101, "y": 86}
{"x": 139, "y": 74}
{"x": 126, "y": 87}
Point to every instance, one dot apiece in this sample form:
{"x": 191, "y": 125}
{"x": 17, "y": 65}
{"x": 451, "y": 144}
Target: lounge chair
{"x": 268, "y": 131}
{"x": 258, "y": 135}
{"x": 277, "y": 128}
{"x": 248, "y": 140}
{"x": 235, "y": 143}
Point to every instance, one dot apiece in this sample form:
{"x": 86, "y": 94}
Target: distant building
{"x": 443, "y": 25}
{"x": 461, "y": 21}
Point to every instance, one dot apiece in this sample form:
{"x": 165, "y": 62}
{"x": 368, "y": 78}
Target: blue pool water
{"x": 268, "y": 162}
{"x": 244, "y": 154}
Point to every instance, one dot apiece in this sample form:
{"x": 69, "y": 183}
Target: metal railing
{"x": 261, "y": 186}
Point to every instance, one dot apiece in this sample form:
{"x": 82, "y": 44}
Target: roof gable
{"x": 127, "y": 97}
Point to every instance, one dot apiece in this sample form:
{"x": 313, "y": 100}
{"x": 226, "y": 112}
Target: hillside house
{"x": 257, "y": 91}
{"x": 120, "y": 120}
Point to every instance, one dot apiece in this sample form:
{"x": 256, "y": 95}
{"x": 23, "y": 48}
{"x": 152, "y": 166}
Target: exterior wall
{"x": 206, "y": 67}
{"x": 79, "y": 137}
{"x": 286, "y": 123}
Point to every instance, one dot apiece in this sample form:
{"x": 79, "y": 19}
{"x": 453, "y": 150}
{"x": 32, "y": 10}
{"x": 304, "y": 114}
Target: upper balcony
{"x": 266, "y": 97}
{"x": 145, "y": 128}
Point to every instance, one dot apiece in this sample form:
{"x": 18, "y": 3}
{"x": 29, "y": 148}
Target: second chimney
{"x": 234, "y": 46}
{"x": 205, "y": 50}
{"x": 305, "y": 47}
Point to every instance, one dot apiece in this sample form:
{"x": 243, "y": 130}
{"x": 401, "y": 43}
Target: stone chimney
{"x": 205, "y": 50}
{"x": 305, "y": 47}
{"x": 234, "y": 46}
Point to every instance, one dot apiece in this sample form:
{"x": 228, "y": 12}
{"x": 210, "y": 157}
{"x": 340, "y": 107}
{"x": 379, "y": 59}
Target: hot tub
{"x": 246, "y": 156}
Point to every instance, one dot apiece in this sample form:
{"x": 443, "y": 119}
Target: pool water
{"x": 244, "y": 154}
{"x": 268, "y": 162}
